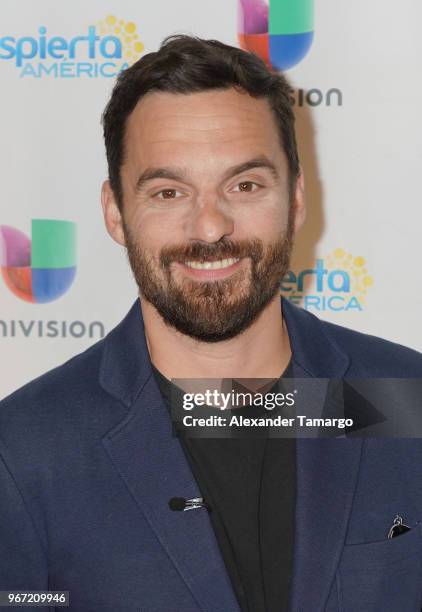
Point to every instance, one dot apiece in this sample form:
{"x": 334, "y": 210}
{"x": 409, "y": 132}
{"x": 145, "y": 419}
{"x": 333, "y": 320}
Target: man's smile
{"x": 210, "y": 269}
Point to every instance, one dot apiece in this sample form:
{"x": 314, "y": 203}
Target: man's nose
{"x": 210, "y": 220}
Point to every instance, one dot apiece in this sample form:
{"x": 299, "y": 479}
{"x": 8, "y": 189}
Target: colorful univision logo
{"x": 279, "y": 31}
{"x": 42, "y": 269}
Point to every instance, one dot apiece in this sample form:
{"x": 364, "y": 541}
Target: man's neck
{"x": 261, "y": 351}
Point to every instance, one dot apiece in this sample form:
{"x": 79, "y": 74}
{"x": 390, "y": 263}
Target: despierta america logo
{"x": 102, "y": 49}
{"x": 39, "y": 269}
{"x": 279, "y": 31}
{"x": 338, "y": 282}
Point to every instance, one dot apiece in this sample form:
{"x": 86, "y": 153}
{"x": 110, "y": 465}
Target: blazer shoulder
{"x": 69, "y": 384}
{"x": 374, "y": 356}
{"x": 57, "y": 419}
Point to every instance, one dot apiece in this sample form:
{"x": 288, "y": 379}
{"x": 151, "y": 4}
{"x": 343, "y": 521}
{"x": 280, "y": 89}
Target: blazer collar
{"x": 126, "y": 365}
{"x": 313, "y": 349}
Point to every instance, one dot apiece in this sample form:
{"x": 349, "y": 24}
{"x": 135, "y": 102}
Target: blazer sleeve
{"x": 23, "y": 562}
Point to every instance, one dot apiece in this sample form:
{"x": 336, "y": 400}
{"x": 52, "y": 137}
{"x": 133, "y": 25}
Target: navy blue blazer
{"x": 88, "y": 464}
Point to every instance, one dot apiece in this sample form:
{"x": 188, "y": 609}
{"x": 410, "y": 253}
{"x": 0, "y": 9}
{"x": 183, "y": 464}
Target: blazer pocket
{"x": 384, "y": 575}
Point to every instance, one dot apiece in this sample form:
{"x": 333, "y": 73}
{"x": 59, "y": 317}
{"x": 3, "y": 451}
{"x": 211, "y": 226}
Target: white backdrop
{"x": 361, "y": 156}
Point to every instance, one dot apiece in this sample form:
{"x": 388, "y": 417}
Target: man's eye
{"x": 167, "y": 194}
{"x": 246, "y": 186}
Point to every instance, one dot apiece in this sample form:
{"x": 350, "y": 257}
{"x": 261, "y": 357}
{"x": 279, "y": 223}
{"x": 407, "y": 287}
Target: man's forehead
{"x": 199, "y": 112}
{"x": 217, "y": 119}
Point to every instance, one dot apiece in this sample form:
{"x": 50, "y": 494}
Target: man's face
{"x": 206, "y": 215}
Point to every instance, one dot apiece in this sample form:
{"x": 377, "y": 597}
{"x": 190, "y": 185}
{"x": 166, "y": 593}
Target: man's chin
{"x": 208, "y": 319}
{"x": 206, "y": 331}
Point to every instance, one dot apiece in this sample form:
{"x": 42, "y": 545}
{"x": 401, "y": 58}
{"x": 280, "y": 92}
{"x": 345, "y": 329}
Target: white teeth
{"x": 211, "y": 265}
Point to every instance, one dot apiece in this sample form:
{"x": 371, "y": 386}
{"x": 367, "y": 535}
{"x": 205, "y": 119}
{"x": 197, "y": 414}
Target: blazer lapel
{"x": 327, "y": 471}
{"x": 153, "y": 465}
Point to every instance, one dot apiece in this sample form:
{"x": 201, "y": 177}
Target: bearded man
{"x": 205, "y": 191}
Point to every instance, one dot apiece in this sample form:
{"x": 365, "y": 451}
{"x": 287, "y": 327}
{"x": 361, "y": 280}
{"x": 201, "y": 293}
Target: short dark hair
{"x": 187, "y": 64}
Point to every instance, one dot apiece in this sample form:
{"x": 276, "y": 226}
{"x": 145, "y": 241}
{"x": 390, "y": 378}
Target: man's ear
{"x": 112, "y": 215}
{"x": 299, "y": 201}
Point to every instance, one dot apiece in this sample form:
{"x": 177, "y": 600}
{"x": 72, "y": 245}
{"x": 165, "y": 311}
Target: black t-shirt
{"x": 250, "y": 485}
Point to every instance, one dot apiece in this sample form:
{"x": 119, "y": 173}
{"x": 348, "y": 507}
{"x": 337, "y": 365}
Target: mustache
{"x": 204, "y": 251}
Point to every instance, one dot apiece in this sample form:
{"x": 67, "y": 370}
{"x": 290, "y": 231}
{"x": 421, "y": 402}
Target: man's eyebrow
{"x": 172, "y": 174}
{"x": 177, "y": 174}
{"x": 256, "y": 162}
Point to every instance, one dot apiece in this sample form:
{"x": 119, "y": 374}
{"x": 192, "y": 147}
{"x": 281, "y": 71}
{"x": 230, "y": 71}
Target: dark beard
{"x": 216, "y": 310}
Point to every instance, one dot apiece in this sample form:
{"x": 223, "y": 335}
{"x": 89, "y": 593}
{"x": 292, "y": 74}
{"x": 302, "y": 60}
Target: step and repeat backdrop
{"x": 355, "y": 72}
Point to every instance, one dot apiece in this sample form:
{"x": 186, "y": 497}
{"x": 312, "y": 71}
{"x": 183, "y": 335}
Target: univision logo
{"x": 39, "y": 269}
{"x": 279, "y": 31}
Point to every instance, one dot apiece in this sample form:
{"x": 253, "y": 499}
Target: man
{"x": 205, "y": 192}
